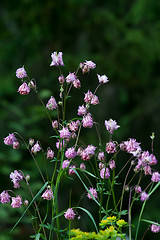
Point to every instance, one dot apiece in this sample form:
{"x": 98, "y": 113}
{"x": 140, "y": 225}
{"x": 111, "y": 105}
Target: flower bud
{"x": 16, "y": 145}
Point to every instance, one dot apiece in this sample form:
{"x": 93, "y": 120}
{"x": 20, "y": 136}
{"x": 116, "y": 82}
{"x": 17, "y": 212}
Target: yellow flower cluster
{"x": 112, "y": 231}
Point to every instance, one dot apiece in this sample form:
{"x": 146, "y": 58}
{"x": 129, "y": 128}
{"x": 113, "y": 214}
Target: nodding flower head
{"x": 57, "y": 59}
{"x": 21, "y": 73}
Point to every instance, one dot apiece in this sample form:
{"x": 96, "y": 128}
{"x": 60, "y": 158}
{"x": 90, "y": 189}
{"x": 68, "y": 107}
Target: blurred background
{"x": 122, "y": 37}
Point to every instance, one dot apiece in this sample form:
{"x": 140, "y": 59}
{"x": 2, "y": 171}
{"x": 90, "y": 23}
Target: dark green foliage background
{"x": 121, "y": 36}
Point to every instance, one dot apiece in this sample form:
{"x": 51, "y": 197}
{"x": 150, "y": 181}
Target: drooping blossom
{"x": 73, "y": 126}
{"x": 132, "y": 147}
{"x": 5, "y": 197}
{"x": 71, "y": 171}
{"x": 71, "y": 153}
{"x": 87, "y": 121}
{"x": 48, "y": 194}
{"x": 16, "y": 145}
{"x": 93, "y": 192}
{"x": 65, "y": 164}
{"x": 21, "y": 73}
{"x": 111, "y": 125}
{"x": 50, "y": 154}
{"x": 65, "y": 133}
{"x": 104, "y": 173}
{"x": 110, "y": 147}
{"x": 86, "y": 66}
{"x": 147, "y": 170}
{"x": 16, "y": 177}
{"x": 82, "y": 166}
{"x": 36, "y": 148}
{"x": 51, "y": 103}
{"x": 112, "y": 164}
{"x": 71, "y": 77}
{"x": 138, "y": 189}
{"x": 31, "y": 141}
{"x": 55, "y": 124}
{"x": 101, "y": 156}
{"x": 61, "y": 79}
{"x": 144, "y": 196}
{"x": 16, "y": 202}
{"x": 57, "y": 59}
{"x": 102, "y": 79}
{"x": 153, "y": 160}
{"x": 88, "y": 152}
{"x": 69, "y": 214}
{"x": 101, "y": 165}
{"x": 9, "y": 140}
{"x": 155, "y": 177}
{"x": 94, "y": 100}
{"x": 77, "y": 83}
{"x": 88, "y": 97}
{"x": 82, "y": 110}
{"x": 155, "y": 228}
{"x": 24, "y": 89}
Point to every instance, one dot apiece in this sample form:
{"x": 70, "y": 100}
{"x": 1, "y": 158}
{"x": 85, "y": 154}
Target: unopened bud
{"x": 55, "y": 124}
{"x": 152, "y": 136}
{"x": 26, "y": 203}
{"x": 31, "y": 141}
{"x": 61, "y": 79}
{"x": 60, "y": 103}
{"x": 27, "y": 177}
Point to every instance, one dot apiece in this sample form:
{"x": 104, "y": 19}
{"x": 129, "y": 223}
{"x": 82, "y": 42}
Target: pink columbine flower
{"x": 87, "y": 121}
{"x": 147, "y": 170}
{"x": 144, "y": 196}
{"x": 9, "y": 140}
{"x": 16, "y": 177}
{"x": 88, "y": 97}
{"x": 65, "y": 133}
{"x": 88, "y": 152}
{"x": 132, "y": 146}
{"x": 94, "y": 100}
{"x": 155, "y": 228}
{"x": 71, "y": 77}
{"x": 155, "y": 177}
{"x": 65, "y": 164}
{"x": 93, "y": 192}
{"x": 24, "y": 89}
{"x": 104, "y": 173}
{"x": 71, "y": 153}
{"x": 77, "y": 83}
{"x": 51, "y": 103}
{"x": 48, "y": 194}
{"x": 111, "y": 125}
{"x": 73, "y": 126}
{"x": 57, "y": 59}
{"x": 5, "y": 197}
{"x": 36, "y": 148}
{"x": 101, "y": 156}
{"x": 16, "y": 145}
{"x": 21, "y": 73}
{"x": 101, "y": 165}
{"x": 110, "y": 147}
{"x": 50, "y": 154}
{"x": 55, "y": 124}
{"x": 82, "y": 166}
{"x": 16, "y": 202}
{"x": 112, "y": 164}
{"x": 86, "y": 66}
{"x": 69, "y": 214}
{"x": 71, "y": 171}
{"x": 102, "y": 79}
{"x": 138, "y": 189}
{"x": 61, "y": 79}
{"x": 153, "y": 160}
{"x": 82, "y": 110}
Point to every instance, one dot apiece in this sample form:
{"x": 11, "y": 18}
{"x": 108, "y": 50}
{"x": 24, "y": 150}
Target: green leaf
{"x": 37, "y": 195}
{"x": 91, "y": 217}
{"x": 151, "y": 222}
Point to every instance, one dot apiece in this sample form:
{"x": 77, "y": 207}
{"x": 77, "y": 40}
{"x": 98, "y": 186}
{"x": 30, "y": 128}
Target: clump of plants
{"x": 94, "y": 166}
